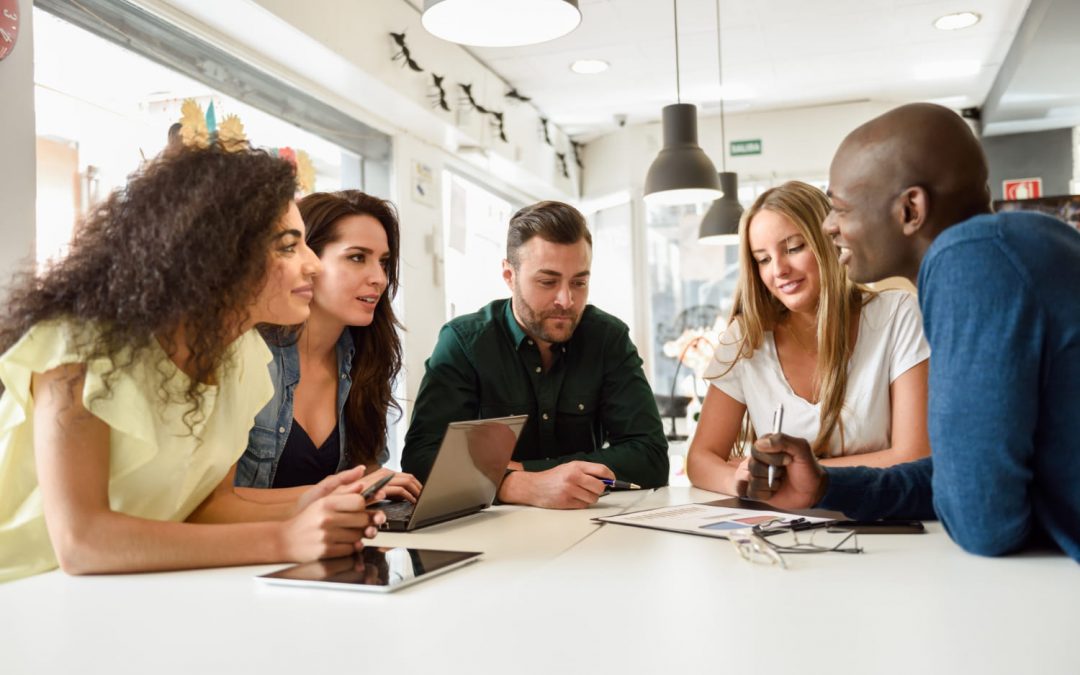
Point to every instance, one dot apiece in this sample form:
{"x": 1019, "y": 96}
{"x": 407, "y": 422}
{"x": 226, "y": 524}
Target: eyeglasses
{"x": 754, "y": 548}
{"x": 767, "y": 544}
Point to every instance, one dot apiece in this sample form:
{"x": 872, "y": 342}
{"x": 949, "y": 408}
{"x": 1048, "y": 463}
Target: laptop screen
{"x": 468, "y": 468}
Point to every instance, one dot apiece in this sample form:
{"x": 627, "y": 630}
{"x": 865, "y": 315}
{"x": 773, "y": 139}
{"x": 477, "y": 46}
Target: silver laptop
{"x": 468, "y": 469}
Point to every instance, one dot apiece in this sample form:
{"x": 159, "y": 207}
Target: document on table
{"x": 711, "y": 521}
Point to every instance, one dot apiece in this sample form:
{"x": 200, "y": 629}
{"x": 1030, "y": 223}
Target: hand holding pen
{"x": 777, "y": 426}
{"x": 785, "y": 473}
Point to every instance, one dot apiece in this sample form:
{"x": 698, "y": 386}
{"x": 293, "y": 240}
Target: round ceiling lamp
{"x": 682, "y": 173}
{"x": 720, "y": 226}
{"x": 494, "y": 23}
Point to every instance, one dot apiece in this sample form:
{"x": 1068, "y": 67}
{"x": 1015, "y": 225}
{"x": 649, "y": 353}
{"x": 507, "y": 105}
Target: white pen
{"x": 777, "y": 424}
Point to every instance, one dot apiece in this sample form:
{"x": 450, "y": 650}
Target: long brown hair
{"x": 757, "y": 310}
{"x": 377, "y": 359}
{"x": 186, "y": 243}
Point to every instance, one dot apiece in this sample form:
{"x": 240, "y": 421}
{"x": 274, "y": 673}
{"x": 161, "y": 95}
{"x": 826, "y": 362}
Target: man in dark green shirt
{"x": 571, "y": 367}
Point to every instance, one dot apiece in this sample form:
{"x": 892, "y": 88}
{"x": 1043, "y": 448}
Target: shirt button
{"x": 545, "y": 416}
{"x": 580, "y": 406}
{"x": 344, "y": 375}
{"x": 538, "y": 369}
{"x": 281, "y": 430}
{"x": 564, "y": 350}
{"x": 531, "y": 342}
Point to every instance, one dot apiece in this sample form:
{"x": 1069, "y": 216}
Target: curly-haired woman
{"x": 131, "y": 377}
{"x": 333, "y": 376}
{"x": 849, "y": 365}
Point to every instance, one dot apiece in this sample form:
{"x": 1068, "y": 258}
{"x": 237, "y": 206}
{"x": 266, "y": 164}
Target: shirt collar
{"x": 346, "y": 349}
{"x": 518, "y": 335}
{"x": 290, "y": 357}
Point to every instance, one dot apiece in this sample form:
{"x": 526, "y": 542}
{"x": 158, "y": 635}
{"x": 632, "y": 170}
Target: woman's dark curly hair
{"x": 377, "y": 359}
{"x": 184, "y": 245}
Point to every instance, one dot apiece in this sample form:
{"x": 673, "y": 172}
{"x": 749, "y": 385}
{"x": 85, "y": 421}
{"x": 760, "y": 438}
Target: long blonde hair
{"x": 757, "y": 310}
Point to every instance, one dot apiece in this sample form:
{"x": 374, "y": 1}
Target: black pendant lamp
{"x": 721, "y": 222}
{"x": 499, "y": 23}
{"x": 681, "y": 173}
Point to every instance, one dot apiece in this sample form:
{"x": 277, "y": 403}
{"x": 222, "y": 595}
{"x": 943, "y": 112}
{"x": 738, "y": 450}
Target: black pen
{"x": 620, "y": 484}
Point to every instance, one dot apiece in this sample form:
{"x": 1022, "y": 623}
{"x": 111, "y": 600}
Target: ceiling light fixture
{"x": 721, "y": 222}
{"x": 681, "y": 173}
{"x": 957, "y": 21}
{"x": 493, "y": 23}
{"x": 589, "y": 66}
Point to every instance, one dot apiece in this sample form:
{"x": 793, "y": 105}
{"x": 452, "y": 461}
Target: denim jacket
{"x": 259, "y": 463}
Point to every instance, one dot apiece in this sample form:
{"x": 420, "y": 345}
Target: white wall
{"x": 795, "y": 143}
{"x": 423, "y": 293}
{"x": 18, "y": 163}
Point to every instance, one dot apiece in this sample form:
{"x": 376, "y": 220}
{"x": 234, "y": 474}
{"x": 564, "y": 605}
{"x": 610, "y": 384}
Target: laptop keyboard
{"x": 396, "y": 510}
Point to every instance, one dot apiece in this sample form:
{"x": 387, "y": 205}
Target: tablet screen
{"x": 372, "y": 569}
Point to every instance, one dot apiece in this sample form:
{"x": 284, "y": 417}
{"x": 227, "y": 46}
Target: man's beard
{"x": 534, "y": 321}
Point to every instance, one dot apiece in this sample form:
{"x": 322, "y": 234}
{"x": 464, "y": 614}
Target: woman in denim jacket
{"x": 334, "y": 417}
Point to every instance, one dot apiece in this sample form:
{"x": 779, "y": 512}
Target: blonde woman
{"x": 849, "y": 365}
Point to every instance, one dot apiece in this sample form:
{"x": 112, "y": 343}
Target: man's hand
{"x": 574, "y": 485}
{"x": 799, "y": 482}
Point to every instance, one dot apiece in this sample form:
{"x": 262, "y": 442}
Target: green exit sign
{"x": 751, "y": 147}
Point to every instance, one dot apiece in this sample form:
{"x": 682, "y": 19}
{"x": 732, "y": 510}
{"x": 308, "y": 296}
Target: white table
{"x": 556, "y": 592}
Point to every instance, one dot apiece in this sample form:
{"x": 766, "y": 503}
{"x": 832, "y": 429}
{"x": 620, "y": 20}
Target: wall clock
{"x": 9, "y": 26}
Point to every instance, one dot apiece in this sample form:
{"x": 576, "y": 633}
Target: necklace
{"x": 802, "y": 345}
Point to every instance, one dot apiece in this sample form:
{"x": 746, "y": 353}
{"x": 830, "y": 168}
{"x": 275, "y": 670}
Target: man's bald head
{"x": 931, "y": 146}
{"x": 897, "y": 181}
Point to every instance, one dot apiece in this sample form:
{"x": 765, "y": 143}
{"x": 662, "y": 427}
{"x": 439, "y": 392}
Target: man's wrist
{"x": 823, "y": 487}
{"x": 510, "y": 486}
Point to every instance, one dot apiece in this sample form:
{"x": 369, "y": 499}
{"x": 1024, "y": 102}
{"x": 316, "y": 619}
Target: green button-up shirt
{"x": 593, "y": 404}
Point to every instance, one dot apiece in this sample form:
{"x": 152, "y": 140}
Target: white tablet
{"x": 380, "y": 570}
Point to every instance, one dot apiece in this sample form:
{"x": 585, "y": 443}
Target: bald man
{"x": 1000, "y": 296}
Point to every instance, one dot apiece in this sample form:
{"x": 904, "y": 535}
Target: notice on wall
{"x": 422, "y": 185}
{"x": 1021, "y": 188}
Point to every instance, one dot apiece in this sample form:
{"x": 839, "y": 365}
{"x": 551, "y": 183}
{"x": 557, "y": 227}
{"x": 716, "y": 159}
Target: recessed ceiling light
{"x": 589, "y": 66}
{"x": 957, "y": 21}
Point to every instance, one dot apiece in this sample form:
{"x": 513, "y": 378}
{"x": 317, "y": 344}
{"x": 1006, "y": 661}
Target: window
{"x": 613, "y": 262}
{"x": 690, "y": 287}
{"x": 475, "y": 244}
{"x": 101, "y": 115}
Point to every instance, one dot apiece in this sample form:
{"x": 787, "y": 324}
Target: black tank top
{"x": 301, "y": 463}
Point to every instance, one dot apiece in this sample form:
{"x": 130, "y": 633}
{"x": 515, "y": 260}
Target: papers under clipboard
{"x": 717, "y": 519}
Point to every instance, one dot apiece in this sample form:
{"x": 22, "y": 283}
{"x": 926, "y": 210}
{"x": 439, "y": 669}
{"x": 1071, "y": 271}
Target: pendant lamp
{"x": 499, "y": 23}
{"x": 681, "y": 173}
{"x": 721, "y": 222}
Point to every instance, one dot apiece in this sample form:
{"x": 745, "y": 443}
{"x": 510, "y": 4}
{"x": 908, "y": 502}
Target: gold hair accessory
{"x": 199, "y": 129}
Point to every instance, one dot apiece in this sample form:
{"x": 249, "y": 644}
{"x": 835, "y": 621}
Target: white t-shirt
{"x": 890, "y": 341}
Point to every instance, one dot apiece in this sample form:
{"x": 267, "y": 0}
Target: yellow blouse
{"x": 158, "y": 468}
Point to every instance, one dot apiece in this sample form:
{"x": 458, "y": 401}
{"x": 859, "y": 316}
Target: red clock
{"x": 9, "y": 26}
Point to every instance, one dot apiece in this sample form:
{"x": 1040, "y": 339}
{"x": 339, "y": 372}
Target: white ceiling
{"x": 776, "y": 54}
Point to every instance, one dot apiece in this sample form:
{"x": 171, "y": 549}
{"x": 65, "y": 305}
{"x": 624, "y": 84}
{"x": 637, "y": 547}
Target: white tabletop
{"x": 557, "y": 592}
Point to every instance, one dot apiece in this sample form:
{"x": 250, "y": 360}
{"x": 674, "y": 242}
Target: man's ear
{"x": 508, "y": 274}
{"x": 912, "y": 209}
